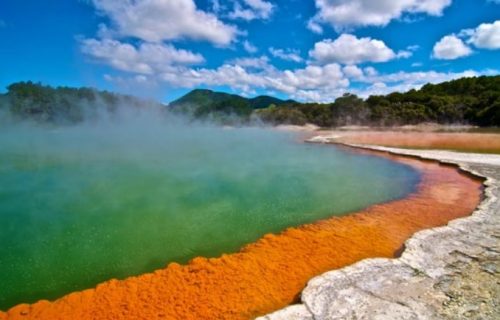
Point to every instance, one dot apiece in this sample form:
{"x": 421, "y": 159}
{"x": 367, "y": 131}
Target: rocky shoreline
{"x": 449, "y": 272}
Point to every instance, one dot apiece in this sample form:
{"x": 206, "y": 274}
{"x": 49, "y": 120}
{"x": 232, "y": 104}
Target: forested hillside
{"x": 465, "y": 101}
{"x": 63, "y": 105}
{"x": 220, "y": 106}
{"x": 473, "y": 101}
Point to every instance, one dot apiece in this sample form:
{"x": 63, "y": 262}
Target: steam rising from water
{"x": 130, "y": 193}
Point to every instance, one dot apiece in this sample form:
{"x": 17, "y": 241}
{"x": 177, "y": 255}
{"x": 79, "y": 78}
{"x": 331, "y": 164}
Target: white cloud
{"x": 413, "y": 48}
{"x": 404, "y": 54}
{"x": 249, "y": 47}
{"x": 158, "y": 20}
{"x": 286, "y": 54}
{"x": 133, "y": 83}
{"x": 311, "y": 83}
{"x": 243, "y": 74}
{"x": 348, "y": 49}
{"x": 255, "y": 63}
{"x": 485, "y": 36}
{"x": 345, "y": 14}
{"x": 371, "y": 71}
{"x": 265, "y": 8}
{"x": 352, "y": 72}
{"x": 310, "y": 77}
{"x": 155, "y": 65}
{"x": 300, "y": 83}
{"x": 216, "y": 6}
{"x": 146, "y": 59}
{"x": 404, "y": 81}
{"x": 314, "y": 27}
{"x": 251, "y": 10}
{"x": 419, "y": 77}
{"x": 377, "y": 88}
{"x": 449, "y": 48}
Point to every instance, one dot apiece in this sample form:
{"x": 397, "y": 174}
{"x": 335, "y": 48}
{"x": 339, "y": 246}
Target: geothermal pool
{"x": 81, "y": 205}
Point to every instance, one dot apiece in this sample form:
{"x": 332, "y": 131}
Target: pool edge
{"x": 432, "y": 259}
{"x": 116, "y": 283}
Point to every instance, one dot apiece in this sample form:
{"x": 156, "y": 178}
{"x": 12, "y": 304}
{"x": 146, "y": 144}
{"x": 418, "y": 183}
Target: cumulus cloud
{"x": 419, "y": 77}
{"x": 312, "y": 83}
{"x": 147, "y": 58}
{"x": 153, "y": 64}
{"x": 251, "y": 9}
{"x": 216, "y": 6}
{"x": 485, "y": 36}
{"x": 348, "y": 49}
{"x": 345, "y": 14}
{"x": 454, "y": 46}
{"x": 243, "y": 74}
{"x": 371, "y": 71}
{"x": 314, "y": 26}
{"x": 353, "y": 72}
{"x": 286, "y": 54}
{"x": 404, "y": 54}
{"x": 403, "y": 81}
{"x": 255, "y": 63}
{"x": 413, "y": 48}
{"x": 159, "y": 20}
{"x": 145, "y": 84}
{"x": 449, "y": 48}
{"x": 249, "y": 47}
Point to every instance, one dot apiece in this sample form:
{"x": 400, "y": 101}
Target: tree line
{"x": 64, "y": 105}
{"x": 474, "y": 101}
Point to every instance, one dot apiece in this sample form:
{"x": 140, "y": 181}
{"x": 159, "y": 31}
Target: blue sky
{"x": 310, "y": 50}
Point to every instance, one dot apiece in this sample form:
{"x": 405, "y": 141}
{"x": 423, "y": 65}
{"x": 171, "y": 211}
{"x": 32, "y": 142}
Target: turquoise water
{"x": 81, "y": 205}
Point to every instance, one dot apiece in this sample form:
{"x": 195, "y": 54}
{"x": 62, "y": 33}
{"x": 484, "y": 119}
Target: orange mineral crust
{"x": 270, "y": 273}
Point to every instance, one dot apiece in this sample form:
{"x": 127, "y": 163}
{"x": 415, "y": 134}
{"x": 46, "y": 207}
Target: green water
{"x": 85, "y": 204}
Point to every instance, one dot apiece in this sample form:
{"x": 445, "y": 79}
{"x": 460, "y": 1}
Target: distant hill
{"x": 262, "y": 102}
{"x": 203, "y": 103}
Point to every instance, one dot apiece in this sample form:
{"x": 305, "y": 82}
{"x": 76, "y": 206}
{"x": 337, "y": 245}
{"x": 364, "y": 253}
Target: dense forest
{"x": 464, "y": 101}
{"x": 63, "y": 105}
{"x": 473, "y": 101}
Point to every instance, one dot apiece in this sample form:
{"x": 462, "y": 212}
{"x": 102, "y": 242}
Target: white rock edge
{"x": 405, "y": 287}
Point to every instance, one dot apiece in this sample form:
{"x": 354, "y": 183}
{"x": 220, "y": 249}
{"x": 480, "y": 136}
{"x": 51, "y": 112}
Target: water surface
{"x": 80, "y": 205}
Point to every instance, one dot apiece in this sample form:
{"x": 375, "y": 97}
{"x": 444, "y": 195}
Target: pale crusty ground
{"x": 450, "y": 272}
{"x": 488, "y": 143}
